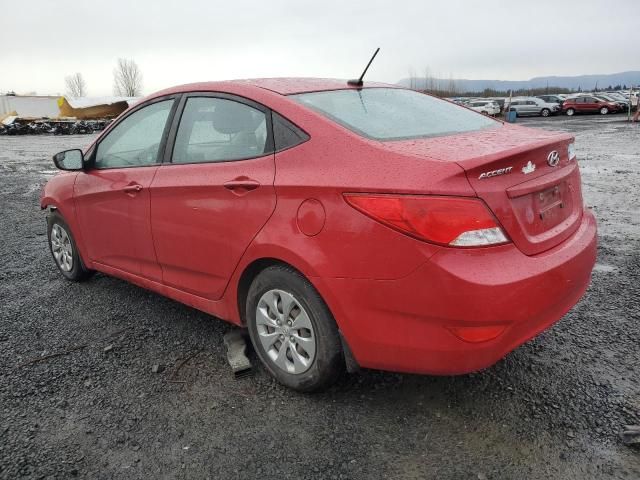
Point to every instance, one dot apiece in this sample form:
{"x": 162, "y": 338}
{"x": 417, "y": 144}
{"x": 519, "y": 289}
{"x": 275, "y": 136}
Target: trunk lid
{"x": 539, "y": 204}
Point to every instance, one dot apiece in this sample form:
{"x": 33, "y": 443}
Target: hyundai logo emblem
{"x": 553, "y": 159}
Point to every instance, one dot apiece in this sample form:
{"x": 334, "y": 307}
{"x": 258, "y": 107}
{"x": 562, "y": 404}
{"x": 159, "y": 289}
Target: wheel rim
{"x": 545, "y": 113}
{"x": 604, "y": 111}
{"x": 62, "y": 248}
{"x": 285, "y": 331}
{"x": 570, "y": 112}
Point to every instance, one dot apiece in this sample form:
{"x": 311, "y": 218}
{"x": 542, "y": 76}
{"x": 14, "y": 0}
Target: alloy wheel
{"x": 62, "y": 248}
{"x": 285, "y": 331}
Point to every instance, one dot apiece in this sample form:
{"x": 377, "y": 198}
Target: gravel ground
{"x": 554, "y": 408}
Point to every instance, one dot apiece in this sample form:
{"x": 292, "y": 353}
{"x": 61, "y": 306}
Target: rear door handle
{"x": 237, "y": 185}
{"x": 132, "y": 188}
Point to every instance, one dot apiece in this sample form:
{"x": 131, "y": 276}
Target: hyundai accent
{"x": 343, "y": 225}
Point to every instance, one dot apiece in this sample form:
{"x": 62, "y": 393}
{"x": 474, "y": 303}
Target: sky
{"x": 176, "y": 42}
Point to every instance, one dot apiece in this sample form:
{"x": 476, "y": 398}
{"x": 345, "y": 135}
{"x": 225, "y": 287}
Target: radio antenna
{"x": 359, "y": 82}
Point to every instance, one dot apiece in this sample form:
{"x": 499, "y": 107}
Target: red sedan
{"x": 342, "y": 225}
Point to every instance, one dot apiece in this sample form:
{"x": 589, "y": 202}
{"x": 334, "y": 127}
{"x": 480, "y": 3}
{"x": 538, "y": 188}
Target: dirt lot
{"x": 554, "y": 408}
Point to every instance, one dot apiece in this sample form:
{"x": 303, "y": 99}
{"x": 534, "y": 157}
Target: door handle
{"x": 241, "y": 183}
{"x": 132, "y": 188}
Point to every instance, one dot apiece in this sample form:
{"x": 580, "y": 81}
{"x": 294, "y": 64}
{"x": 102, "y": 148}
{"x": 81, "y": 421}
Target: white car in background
{"x": 486, "y": 107}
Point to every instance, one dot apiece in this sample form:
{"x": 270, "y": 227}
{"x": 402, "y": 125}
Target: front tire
{"x": 604, "y": 111}
{"x": 545, "y": 112}
{"x": 293, "y": 331}
{"x": 64, "y": 250}
{"x": 570, "y": 112}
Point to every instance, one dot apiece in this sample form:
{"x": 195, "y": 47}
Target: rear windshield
{"x": 394, "y": 114}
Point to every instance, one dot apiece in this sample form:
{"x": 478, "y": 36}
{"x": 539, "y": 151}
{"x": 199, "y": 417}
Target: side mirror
{"x": 69, "y": 160}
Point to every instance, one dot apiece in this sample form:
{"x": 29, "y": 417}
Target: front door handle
{"x": 135, "y": 188}
{"x": 241, "y": 185}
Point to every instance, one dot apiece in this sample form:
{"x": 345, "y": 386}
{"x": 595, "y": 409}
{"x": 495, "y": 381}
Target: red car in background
{"x": 343, "y": 225}
{"x": 587, "y": 104}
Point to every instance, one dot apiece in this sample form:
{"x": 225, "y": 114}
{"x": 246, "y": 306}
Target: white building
{"x": 29, "y": 106}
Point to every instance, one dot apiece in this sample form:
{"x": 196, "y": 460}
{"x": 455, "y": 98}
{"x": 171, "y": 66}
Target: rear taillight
{"x": 451, "y": 221}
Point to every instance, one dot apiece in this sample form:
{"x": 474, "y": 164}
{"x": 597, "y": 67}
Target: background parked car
{"x": 589, "y": 104}
{"x": 559, "y": 98}
{"x": 487, "y": 107}
{"x": 500, "y": 101}
{"x": 459, "y": 100}
{"x": 531, "y": 106}
{"x": 622, "y": 103}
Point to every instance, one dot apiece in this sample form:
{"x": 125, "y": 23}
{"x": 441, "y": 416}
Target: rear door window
{"x": 216, "y": 129}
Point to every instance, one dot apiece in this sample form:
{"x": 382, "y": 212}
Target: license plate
{"x": 550, "y": 202}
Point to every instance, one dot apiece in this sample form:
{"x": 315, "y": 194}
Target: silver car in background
{"x": 553, "y": 98}
{"x": 524, "y": 106}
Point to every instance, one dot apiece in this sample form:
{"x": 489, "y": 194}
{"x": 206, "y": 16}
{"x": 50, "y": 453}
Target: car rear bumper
{"x": 405, "y": 324}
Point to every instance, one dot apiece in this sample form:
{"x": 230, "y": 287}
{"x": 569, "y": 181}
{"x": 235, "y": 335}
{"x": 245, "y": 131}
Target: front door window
{"x": 135, "y": 141}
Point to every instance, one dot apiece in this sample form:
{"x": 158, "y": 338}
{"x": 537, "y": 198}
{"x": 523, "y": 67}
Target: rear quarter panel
{"x": 350, "y": 245}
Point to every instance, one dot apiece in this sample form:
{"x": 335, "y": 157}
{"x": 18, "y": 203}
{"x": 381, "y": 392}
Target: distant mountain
{"x": 585, "y": 82}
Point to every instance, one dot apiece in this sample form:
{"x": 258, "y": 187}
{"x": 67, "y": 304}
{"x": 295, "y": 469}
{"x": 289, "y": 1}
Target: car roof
{"x": 292, "y": 85}
{"x": 283, "y": 86}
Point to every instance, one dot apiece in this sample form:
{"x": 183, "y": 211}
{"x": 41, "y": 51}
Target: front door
{"x": 112, "y": 196}
{"x": 215, "y": 194}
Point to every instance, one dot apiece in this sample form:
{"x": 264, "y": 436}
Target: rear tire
{"x": 545, "y": 112}
{"x": 293, "y": 331}
{"x": 64, "y": 250}
{"x": 570, "y": 112}
{"x": 604, "y": 111}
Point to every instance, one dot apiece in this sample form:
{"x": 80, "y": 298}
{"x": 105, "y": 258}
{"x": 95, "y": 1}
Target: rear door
{"x": 214, "y": 191}
{"x": 112, "y": 195}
